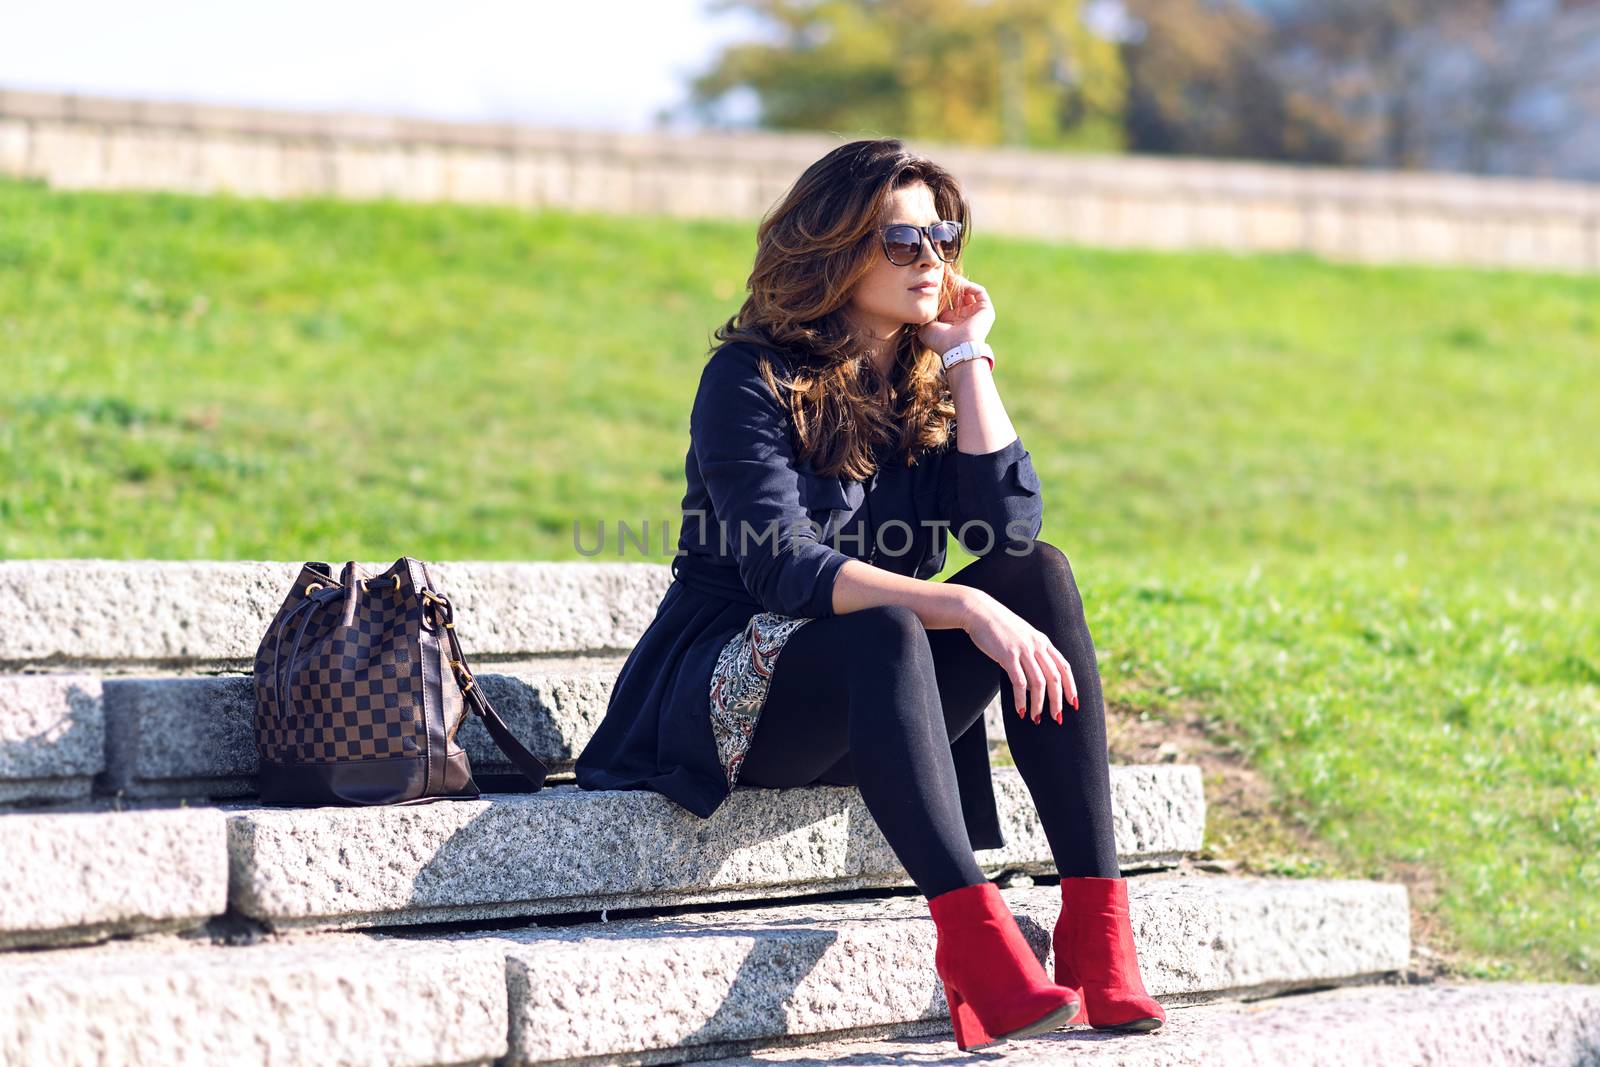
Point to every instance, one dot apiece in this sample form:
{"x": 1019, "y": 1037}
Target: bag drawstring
{"x": 319, "y": 596}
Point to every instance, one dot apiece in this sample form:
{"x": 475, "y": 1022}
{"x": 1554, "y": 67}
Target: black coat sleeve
{"x": 740, "y": 436}
{"x": 997, "y": 492}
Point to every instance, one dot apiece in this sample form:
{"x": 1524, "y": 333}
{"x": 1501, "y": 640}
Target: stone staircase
{"x": 152, "y": 912}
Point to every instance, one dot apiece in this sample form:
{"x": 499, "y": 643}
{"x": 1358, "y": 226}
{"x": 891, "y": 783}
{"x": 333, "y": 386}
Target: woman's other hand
{"x": 1040, "y": 674}
{"x": 968, "y": 317}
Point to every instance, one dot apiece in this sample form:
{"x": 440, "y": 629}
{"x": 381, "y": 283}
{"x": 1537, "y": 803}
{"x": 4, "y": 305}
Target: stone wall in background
{"x": 84, "y": 142}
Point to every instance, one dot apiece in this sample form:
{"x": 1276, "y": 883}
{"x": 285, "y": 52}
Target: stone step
{"x": 568, "y": 850}
{"x": 1530, "y": 1025}
{"x": 72, "y": 876}
{"x": 185, "y": 614}
{"x": 194, "y": 737}
{"x": 648, "y": 990}
{"x": 69, "y": 877}
{"x": 696, "y": 986}
{"x": 341, "y": 999}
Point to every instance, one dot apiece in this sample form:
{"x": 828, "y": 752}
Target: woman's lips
{"x": 925, "y": 287}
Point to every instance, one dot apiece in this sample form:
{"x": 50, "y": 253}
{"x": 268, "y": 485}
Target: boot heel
{"x": 970, "y": 1033}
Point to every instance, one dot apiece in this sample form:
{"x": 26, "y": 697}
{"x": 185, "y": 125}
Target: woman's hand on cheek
{"x": 969, "y": 318}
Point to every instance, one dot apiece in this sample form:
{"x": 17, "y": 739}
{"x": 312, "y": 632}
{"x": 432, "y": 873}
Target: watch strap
{"x": 968, "y": 350}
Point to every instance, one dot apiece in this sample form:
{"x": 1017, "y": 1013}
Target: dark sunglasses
{"x": 902, "y": 242}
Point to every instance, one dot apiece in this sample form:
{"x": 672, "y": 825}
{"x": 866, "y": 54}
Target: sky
{"x": 563, "y": 63}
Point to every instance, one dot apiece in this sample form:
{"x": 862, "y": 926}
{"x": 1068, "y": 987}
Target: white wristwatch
{"x": 968, "y": 350}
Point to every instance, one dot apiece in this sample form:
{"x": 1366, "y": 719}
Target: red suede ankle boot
{"x": 1094, "y": 952}
{"x": 995, "y": 985}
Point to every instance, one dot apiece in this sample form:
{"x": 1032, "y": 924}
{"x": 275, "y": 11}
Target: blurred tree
{"x": 1200, "y": 83}
{"x": 1358, "y": 69}
{"x": 1497, "y": 86}
{"x": 1018, "y": 72}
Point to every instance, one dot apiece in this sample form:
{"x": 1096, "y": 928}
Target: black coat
{"x": 744, "y": 484}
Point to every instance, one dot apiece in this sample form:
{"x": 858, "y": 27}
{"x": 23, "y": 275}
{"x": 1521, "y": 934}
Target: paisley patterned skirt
{"x": 740, "y": 681}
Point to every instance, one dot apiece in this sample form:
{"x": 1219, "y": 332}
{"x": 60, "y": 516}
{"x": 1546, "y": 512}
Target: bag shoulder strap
{"x": 531, "y": 766}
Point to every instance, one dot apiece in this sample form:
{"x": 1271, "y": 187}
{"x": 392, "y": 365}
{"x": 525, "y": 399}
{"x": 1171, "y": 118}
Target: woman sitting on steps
{"x": 848, "y": 417}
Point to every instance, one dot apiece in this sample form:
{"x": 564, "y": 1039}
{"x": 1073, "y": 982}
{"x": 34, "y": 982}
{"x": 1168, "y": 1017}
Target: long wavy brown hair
{"x": 811, "y": 249}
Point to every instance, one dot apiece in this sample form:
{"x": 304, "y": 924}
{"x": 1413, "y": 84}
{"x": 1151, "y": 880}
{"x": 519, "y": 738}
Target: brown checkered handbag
{"x": 360, "y": 688}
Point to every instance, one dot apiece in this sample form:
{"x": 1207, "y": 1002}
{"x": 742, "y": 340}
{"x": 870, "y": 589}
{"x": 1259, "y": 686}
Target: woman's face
{"x": 888, "y": 297}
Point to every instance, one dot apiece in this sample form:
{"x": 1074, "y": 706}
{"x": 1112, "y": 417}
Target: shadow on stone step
{"x": 229, "y": 929}
{"x": 827, "y": 842}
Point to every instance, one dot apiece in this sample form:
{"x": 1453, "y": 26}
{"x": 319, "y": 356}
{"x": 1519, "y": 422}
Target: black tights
{"x": 872, "y": 698}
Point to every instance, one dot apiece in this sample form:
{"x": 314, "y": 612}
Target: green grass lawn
{"x": 1352, "y": 512}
